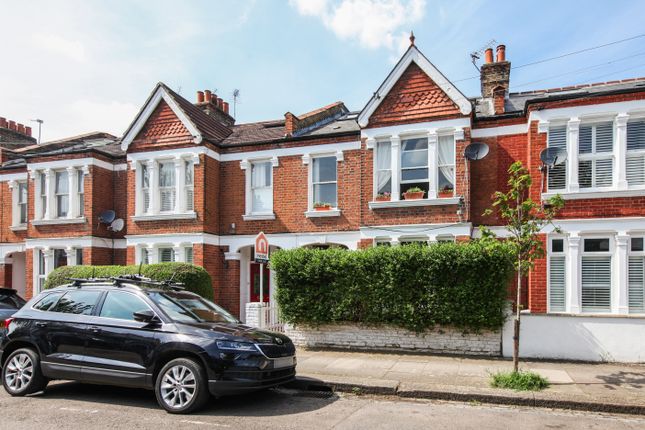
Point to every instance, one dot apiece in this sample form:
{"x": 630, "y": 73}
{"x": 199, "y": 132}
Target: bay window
{"x": 261, "y": 187}
{"x": 595, "y": 155}
{"x": 414, "y": 165}
{"x": 324, "y": 180}
{"x": 167, "y": 186}
{"x": 383, "y": 168}
{"x": 62, "y": 194}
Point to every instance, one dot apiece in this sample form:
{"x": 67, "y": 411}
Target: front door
{"x": 255, "y": 283}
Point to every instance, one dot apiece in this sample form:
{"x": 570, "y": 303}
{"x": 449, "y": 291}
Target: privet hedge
{"x": 195, "y": 278}
{"x": 415, "y": 287}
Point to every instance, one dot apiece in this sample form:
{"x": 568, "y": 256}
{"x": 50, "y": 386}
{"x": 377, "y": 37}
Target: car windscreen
{"x": 11, "y": 300}
{"x": 190, "y": 308}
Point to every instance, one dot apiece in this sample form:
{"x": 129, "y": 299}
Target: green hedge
{"x": 415, "y": 287}
{"x": 195, "y": 278}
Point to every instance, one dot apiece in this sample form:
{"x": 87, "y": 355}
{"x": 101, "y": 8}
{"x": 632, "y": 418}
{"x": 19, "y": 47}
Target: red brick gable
{"x": 414, "y": 98}
{"x": 163, "y": 126}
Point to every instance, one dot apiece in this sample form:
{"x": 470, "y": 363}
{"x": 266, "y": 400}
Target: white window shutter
{"x": 557, "y": 276}
{"x": 596, "y": 284}
{"x": 636, "y": 287}
{"x": 557, "y": 179}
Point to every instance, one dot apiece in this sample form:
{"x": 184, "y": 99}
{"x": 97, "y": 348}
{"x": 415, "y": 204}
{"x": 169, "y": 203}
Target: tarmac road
{"x": 68, "y": 405}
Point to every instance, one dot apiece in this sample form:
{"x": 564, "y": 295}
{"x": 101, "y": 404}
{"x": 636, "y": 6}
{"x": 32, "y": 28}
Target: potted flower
{"x": 446, "y": 191}
{"x": 414, "y": 193}
{"x": 322, "y": 206}
{"x": 383, "y": 197}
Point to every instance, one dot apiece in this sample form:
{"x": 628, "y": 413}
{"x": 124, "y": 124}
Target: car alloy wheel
{"x": 20, "y": 371}
{"x": 178, "y": 386}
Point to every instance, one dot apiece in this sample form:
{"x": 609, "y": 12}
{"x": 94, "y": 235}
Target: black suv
{"x": 117, "y": 332}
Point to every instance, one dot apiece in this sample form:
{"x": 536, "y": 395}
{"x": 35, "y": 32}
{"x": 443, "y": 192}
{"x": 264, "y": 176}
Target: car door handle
{"x": 95, "y": 330}
{"x": 41, "y": 324}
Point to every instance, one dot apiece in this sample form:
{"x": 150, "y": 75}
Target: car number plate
{"x": 281, "y": 362}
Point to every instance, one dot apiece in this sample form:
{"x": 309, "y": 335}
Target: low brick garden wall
{"x": 385, "y": 338}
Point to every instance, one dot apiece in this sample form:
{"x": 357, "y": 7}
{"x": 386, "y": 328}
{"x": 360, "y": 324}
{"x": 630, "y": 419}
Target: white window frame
{"x": 613, "y": 277}
{"x": 403, "y": 185}
{"x": 189, "y": 186}
{"x": 80, "y": 177}
{"x": 594, "y": 156}
{"x": 58, "y": 195}
{"x": 635, "y": 152}
{"x": 247, "y": 166}
{"x": 551, "y": 254}
{"x": 17, "y": 205}
{"x": 308, "y": 159}
{"x": 568, "y": 143}
{"x": 171, "y": 189}
{"x": 637, "y": 254}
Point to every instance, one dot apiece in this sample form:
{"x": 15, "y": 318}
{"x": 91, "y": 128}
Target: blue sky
{"x": 89, "y": 65}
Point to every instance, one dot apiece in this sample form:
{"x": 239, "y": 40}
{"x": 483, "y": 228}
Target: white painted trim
{"x": 412, "y": 203}
{"x": 74, "y": 242}
{"x": 499, "y": 131}
{"x": 193, "y": 152}
{"x": 296, "y": 150}
{"x": 8, "y": 248}
{"x": 159, "y": 94}
{"x": 164, "y": 216}
{"x": 604, "y": 194}
{"x": 419, "y": 128}
{"x": 14, "y": 177}
{"x": 627, "y": 225}
{"x": 170, "y": 239}
{"x": 75, "y": 162}
{"x": 403, "y": 231}
{"x": 294, "y": 240}
{"x": 322, "y": 214}
{"x": 414, "y": 55}
{"x": 259, "y": 217}
{"x": 228, "y": 256}
{"x": 55, "y": 221}
{"x": 21, "y": 227}
{"x": 634, "y": 107}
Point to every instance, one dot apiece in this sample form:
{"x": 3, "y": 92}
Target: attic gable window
{"x": 165, "y": 188}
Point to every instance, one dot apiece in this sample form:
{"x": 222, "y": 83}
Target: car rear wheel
{"x": 21, "y": 373}
{"x": 182, "y": 386}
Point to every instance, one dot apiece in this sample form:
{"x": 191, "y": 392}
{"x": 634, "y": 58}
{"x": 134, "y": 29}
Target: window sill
{"x": 165, "y": 216}
{"x": 322, "y": 214}
{"x": 56, "y": 221}
{"x": 259, "y": 217}
{"x": 597, "y": 194}
{"x": 21, "y": 227}
{"x": 412, "y": 203}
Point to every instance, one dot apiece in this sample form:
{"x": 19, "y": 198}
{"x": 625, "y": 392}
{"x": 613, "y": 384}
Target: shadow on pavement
{"x": 298, "y": 398}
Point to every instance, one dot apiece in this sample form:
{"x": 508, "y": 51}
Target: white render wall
{"x": 440, "y": 340}
{"x": 573, "y": 337}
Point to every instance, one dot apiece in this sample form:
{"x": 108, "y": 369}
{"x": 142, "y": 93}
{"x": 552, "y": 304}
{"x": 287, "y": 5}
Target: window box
{"x": 322, "y": 207}
{"x": 412, "y": 203}
{"x": 324, "y": 213}
{"x": 383, "y": 197}
{"x": 414, "y": 195}
{"x": 446, "y": 193}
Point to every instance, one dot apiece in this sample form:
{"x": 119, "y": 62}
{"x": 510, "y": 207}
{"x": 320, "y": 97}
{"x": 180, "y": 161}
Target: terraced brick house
{"x": 193, "y": 185}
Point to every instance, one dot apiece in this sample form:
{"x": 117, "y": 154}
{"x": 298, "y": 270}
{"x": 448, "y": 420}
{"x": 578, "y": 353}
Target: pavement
{"x": 606, "y": 387}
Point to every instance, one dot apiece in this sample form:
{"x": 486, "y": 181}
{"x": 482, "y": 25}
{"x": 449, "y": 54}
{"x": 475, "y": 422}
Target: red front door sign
{"x": 261, "y": 248}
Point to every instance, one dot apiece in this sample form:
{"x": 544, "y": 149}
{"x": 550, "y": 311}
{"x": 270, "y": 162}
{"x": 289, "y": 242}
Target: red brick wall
{"x": 5, "y": 275}
{"x": 29, "y": 274}
{"x": 6, "y": 217}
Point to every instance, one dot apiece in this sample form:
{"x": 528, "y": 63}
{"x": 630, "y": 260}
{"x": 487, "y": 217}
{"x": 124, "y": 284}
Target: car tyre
{"x": 21, "y": 373}
{"x": 182, "y": 386}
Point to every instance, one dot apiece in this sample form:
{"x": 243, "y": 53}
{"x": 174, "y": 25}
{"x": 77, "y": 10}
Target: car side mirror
{"x": 146, "y": 316}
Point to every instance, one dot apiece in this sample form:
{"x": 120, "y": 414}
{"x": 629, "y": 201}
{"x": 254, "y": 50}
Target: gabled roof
{"x": 200, "y": 125}
{"x": 414, "y": 55}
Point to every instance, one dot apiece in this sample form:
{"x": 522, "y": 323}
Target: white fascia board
{"x": 159, "y": 94}
{"x": 416, "y": 128}
{"x": 296, "y": 150}
{"x": 634, "y": 107}
{"x": 75, "y": 242}
{"x": 171, "y": 239}
{"x": 295, "y": 240}
{"x": 173, "y": 153}
{"x": 75, "y": 162}
{"x": 499, "y": 131}
{"x": 582, "y": 226}
{"x": 13, "y": 177}
{"x": 416, "y": 230}
{"x": 429, "y": 69}
{"x": 8, "y": 248}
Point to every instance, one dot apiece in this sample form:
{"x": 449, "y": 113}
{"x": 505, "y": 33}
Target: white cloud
{"x": 373, "y": 23}
{"x": 57, "y": 44}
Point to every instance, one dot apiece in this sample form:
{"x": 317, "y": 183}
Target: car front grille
{"x": 268, "y": 375}
{"x": 276, "y": 351}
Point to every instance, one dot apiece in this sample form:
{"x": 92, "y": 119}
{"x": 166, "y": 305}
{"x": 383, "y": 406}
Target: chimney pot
{"x": 225, "y": 104}
{"x": 200, "y": 97}
{"x": 12, "y": 125}
{"x": 208, "y": 96}
{"x": 488, "y": 58}
{"x": 3, "y": 122}
{"x": 21, "y": 128}
{"x": 501, "y": 53}
{"x": 28, "y": 131}
{"x": 219, "y": 103}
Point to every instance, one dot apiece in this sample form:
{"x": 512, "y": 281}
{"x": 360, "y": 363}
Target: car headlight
{"x": 236, "y": 346}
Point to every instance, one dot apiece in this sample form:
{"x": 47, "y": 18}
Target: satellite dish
{"x": 117, "y": 225}
{"x": 106, "y": 217}
{"x": 553, "y": 156}
{"x": 476, "y": 151}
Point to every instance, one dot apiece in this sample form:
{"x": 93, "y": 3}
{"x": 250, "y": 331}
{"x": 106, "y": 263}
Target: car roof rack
{"x": 142, "y": 280}
{"x": 78, "y": 282}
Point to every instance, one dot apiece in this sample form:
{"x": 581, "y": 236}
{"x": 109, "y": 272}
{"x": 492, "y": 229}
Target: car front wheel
{"x": 182, "y": 386}
{"x": 21, "y": 373}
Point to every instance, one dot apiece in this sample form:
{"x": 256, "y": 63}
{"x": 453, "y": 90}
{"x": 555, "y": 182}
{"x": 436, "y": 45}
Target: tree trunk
{"x": 516, "y": 325}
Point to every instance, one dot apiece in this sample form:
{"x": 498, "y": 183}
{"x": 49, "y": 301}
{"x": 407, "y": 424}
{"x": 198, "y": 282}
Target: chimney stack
{"x": 14, "y": 131}
{"x": 3, "y": 123}
{"x": 495, "y": 78}
{"x": 215, "y": 107}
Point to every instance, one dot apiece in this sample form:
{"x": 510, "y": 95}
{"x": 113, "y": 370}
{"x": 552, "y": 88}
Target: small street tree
{"x": 524, "y": 220}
